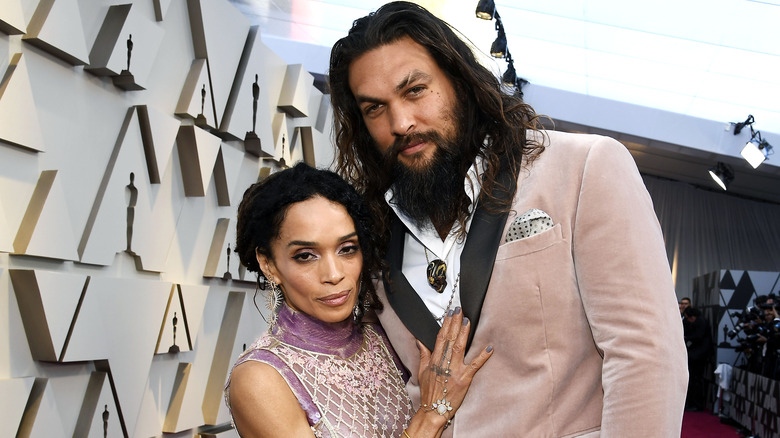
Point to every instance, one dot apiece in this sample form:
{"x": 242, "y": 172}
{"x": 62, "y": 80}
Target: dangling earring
{"x": 356, "y": 311}
{"x": 274, "y": 300}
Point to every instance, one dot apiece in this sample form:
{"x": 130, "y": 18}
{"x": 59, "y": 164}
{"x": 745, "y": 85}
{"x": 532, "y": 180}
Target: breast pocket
{"x": 532, "y": 244}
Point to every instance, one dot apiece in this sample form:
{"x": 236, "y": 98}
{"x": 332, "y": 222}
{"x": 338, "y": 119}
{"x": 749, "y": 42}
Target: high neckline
{"x": 300, "y": 330}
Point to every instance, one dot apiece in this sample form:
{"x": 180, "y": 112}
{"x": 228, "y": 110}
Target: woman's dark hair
{"x": 488, "y": 109}
{"x": 264, "y": 207}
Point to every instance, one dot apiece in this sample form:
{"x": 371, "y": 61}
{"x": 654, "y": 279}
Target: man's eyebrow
{"x": 413, "y": 76}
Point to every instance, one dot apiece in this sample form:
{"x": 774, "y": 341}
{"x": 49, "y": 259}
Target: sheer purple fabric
{"x": 345, "y": 377}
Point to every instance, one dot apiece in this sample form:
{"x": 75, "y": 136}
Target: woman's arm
{"x": 263, "y": 404}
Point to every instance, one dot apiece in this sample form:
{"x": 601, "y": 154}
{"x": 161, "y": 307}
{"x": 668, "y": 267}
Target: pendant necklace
{"x": 437, "y": 273}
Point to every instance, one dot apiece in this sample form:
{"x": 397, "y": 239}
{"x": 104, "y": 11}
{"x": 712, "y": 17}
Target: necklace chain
{"x": 454, "y": 288}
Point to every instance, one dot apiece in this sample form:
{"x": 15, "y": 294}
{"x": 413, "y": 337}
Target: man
{"x": 684, "y": 303}
{"x": 547, "y": 241}
{"x": 698, "y": 341}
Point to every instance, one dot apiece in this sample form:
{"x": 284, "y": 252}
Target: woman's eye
{"x": 304, "y": 256}
{"x": 350, "y": 249}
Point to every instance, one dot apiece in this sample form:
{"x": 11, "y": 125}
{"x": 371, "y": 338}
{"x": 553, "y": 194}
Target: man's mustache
{"x": 402, "y": 142}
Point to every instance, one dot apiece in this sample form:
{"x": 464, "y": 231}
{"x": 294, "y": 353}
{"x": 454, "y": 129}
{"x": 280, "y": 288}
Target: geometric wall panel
{"x": 172, "y": 416}
{"x": 194, "y": 101}
{"x": 130, "y": 213}
{"x": 302, "y": 148}
{"x": 261, "y": 66}
{"x": 294, "y": 99}
{"x": 80, "y": 316}
{"x": 218, "y": 35}
{"x": 46, "y": 230}
{"x": 281, "y": 142}
{"x": 119, "y": 321}
{"x": 173, "y": 324}
{"x": 194, "y": 298}
{"x": 219, "y": 247}
{"x": 116, "y": 203}
{"x": 197, "y": 155}
{"x": 161, "y": 8}
{"x": 158, "y": 133}
{"x": 226, "y": 173}
{"x": 223, "y": 356}
{"x": 56, "y": 28}
{"x": 15, "y": 393}
{"x": 41, "y": 417}
{"x": 48, "y": 302}
{"x": 186, "y": 304}
{"x": 5, "y": 236}
{"x": 98, "y": 417}
{"x": 126, "y": 37}
{"x": 11, "y": 17}
{"x": 20, "y": 125}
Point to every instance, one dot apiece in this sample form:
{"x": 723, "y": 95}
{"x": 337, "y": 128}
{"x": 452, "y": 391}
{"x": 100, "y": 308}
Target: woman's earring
{"x": 274, "y": 299}
{"x": 357, "y": 312}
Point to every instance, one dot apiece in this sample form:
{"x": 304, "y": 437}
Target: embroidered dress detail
{"x": 345, "y": 379}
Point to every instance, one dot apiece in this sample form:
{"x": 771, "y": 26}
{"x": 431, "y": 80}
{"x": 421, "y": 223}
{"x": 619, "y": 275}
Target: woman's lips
{"x": 336, "y": 299}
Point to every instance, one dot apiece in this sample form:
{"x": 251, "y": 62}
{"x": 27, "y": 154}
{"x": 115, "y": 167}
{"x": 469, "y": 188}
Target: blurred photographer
{"x": 769, "y": 336}
{"x": 698, "y": 341}
{"x": 760, "y": 329}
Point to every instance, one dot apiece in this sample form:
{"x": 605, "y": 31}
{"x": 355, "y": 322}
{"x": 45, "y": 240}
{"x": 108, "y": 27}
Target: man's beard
{"x": 432, "y": 190}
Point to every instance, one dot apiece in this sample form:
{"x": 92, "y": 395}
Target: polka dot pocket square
{"x": 530, "y": 223}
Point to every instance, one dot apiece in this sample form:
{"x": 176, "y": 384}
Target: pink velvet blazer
{"x": 583, "y": 317}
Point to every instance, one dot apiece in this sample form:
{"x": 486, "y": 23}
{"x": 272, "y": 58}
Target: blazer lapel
{"x": 402, "y": 297}
{"x": 479, "y": 254}
{"x": 476, "y": 267}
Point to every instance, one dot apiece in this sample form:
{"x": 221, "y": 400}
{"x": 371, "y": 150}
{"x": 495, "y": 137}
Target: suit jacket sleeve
{"x": 628, "y": 297}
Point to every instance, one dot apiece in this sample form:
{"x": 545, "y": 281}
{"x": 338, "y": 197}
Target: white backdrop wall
{"x": 88, "y": 326}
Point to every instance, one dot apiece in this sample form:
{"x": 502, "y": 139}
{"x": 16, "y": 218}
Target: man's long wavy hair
{"x": 487, "y": 110}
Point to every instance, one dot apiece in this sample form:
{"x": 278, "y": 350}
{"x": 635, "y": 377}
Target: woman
{"x": 321, "y": 369}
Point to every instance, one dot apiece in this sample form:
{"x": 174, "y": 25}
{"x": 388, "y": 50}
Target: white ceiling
{"x": 703, "y": 62}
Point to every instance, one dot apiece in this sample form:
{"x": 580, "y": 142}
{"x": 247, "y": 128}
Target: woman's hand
{"x": 444, "y": 376}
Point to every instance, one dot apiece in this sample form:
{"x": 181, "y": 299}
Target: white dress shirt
{"x": 418, "y": 240}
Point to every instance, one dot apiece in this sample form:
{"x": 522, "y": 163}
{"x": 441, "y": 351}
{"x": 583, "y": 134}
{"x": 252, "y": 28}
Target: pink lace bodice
{"x": 345, "y": 378}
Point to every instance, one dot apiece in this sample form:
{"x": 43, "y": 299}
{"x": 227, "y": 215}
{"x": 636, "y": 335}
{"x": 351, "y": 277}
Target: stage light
{"x": 722, "y": 174}
{"x": 510, "y": 75}
{"x": 498, "y": 48}
{"x": 756, "y": 151}
{"x": 486, "y": 9}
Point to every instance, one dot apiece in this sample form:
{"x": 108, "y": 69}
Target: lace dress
{"x": 344, "y": 376}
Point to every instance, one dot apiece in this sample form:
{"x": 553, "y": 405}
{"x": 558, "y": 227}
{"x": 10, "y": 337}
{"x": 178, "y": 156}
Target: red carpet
{"x": 704, "y": 424}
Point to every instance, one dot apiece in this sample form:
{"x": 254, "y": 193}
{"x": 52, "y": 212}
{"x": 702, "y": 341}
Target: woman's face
{"x": 316, "y": 260}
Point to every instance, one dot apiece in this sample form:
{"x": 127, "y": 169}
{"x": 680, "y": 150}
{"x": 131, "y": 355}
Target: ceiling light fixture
{"x": 499, "y": 47}
{"x": 756, "y": 150}
{"x": 486, "y": 9}
{"x": 722, "y": 174}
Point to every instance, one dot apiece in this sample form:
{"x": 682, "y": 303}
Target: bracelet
{"x": 406, "y": 434}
